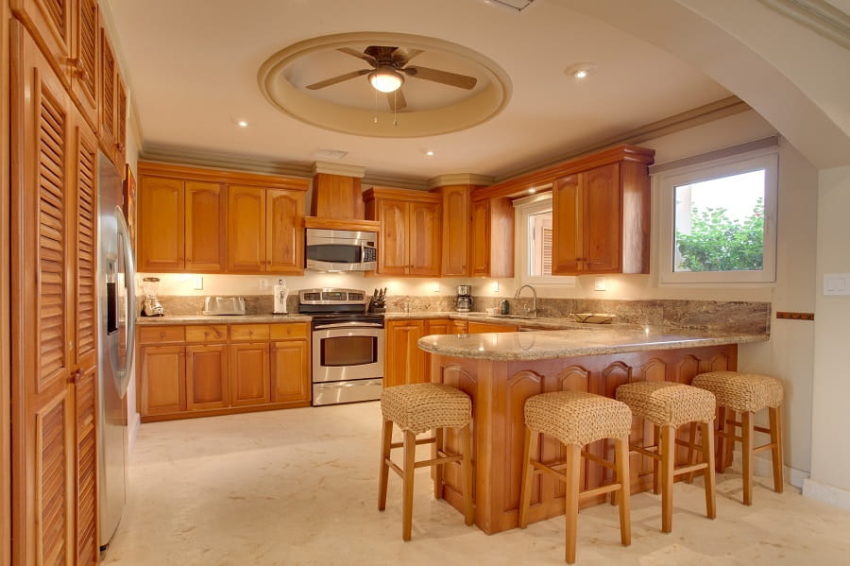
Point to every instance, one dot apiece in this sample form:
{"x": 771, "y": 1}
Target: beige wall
{"x": 831, "y": 416}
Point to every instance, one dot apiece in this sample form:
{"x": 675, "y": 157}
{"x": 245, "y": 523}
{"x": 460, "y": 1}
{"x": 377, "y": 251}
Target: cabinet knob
{"x": 75, "y": 376}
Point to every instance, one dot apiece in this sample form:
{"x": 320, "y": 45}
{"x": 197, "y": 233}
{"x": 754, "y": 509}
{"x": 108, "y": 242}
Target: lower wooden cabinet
{"x": 163, "y": 382}
{"x": 206, "y": 377}
{"x": 405, "y": 362}
{"x": 249, "y": 374}
{"x": 195, "y": 371}
{"x": 474, "y": 327}
{"x": 290, "y": 371}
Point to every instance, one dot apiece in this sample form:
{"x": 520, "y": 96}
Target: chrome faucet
{"x": 533, "y": 310}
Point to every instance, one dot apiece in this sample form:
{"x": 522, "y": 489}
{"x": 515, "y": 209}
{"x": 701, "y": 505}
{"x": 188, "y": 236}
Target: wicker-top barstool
{"x": 747, "y": 393}
{"x": 416, "y": 409}
{"x": 668, "y": 406}
{"x": 577, "y": 419}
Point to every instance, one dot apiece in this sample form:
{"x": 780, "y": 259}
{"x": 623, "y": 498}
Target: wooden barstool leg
{"x": 621, "y": 463}
{"x": 407, "y": 469}
{"x": 776, "y": 439}
{"x": 526, "y": 487}
{"x": 707, "y": 432}
{"x": 436, "y": 448}
{"x": 573, "y": 479}
{"x": 466, "y": 472}
{"x": 656, "y": 470}
{"x": 721, "y": 440}
{"x": 747, "y": 455}
{"x": 668, "y": 459}
{"x": 692, "y": 442}
{"x": 730, "y": 431}
{"x": 386, "y": 440}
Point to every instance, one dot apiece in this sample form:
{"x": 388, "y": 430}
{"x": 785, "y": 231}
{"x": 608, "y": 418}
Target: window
{"x": 534, "y": 241}
{"x": 719, "y": 221}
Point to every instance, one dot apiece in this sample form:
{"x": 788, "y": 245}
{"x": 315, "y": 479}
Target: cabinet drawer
{"x": 160, "y": 334}
{"x": 292, "y": 330}
{"x": 248, "y": 332}
{"x": 211, "y": 333}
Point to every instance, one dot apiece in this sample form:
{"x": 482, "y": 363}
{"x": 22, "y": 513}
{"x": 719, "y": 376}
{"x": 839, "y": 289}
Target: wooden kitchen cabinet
{"x": 405, "y": 362}
{"x": 246, "y": 229}
{"x": 204, "y": 227}
{"x": 161, "y": 229}
{"x": 285, "y": 231}
{"x": 457, "y": 235}
{"x": 51, "y": 24}
{"x": 290, "y": 372}
{"x": 459, "y": 327}
{"x": 600, "y": 221}
{"x": 84, "y": 61}
{"x": 163, "y": 380}
{"x": 206, "y": 376}
{"x": 410, "y": 239}
{"x": 438, "y": 326}
{"x": 474, "y": 327}
{"x": 492, "y": 238}
{"x": 249, "y": 374}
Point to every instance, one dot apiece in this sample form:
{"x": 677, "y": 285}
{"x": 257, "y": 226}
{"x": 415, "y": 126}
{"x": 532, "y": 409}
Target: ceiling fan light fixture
{"x": 386, "y": 79}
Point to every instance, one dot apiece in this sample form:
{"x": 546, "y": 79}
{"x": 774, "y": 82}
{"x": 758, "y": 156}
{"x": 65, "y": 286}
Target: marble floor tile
{"x": 298, "y": 488}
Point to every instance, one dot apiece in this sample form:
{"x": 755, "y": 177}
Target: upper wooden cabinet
{"x": 492, "y": 238}
{"x": 84, "y": 62}
{"x": 206, "y": 221}
{"x": 456, "y": 230}
{"x": 113, "y": 104}
{"x": 600, "y": 221}
{"x": 51, "y": 22}
{"x": 410, "y": 238}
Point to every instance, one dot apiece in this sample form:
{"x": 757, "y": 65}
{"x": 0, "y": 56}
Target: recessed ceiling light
{"x": 579, "y": 71}
{"x": 429, "y": 153}
{"x": 242, "y": 124}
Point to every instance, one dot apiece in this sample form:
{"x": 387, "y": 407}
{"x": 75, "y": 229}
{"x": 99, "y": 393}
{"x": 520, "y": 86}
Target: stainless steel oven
{"x": 341, "y": 250}
{"x": 348, "y": 346}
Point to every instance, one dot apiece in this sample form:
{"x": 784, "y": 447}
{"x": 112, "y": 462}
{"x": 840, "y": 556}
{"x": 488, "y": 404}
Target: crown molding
{"x": 165, "y": 153}
{"x": 682, "y": 121}
{"x": 339, "y": 169}
{"x": 460, "y": 179}
{"x": 818, "y": 15}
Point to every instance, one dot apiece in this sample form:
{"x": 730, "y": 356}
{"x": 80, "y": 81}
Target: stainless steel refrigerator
{"x": 116, "y": 301}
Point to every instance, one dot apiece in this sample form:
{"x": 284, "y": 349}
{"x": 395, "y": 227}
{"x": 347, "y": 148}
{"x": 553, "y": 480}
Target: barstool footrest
{"x": 419, "y": 441}
{"x": 689, "y": 469}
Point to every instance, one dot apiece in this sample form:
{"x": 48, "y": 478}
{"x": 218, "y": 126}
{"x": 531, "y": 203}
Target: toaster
{"x": 224, "y": 306}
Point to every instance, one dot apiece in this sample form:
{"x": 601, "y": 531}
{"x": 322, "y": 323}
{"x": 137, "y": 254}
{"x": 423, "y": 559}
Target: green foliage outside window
{"x": 719, "y": 243}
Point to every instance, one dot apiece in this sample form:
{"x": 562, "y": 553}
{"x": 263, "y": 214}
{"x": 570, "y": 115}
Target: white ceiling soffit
{"x": 193, "y": 66}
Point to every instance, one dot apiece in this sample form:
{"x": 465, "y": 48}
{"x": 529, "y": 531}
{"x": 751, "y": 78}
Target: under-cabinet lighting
{"x": 435, "y": 287}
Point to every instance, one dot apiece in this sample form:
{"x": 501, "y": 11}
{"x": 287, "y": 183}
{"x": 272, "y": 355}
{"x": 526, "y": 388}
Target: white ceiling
{"x": 192, "y": 67}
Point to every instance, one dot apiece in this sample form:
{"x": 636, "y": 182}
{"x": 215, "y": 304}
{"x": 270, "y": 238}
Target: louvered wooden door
{"x": 52, "y": 21}
{"x": 85, "y": 326}
{"x": 107, "y": 94}
{"x": 43, "y": 299}
{"x": 84, "y": 62}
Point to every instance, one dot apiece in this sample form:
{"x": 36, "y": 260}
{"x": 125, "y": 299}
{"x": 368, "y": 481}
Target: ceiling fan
{"x": 389, "y": 67}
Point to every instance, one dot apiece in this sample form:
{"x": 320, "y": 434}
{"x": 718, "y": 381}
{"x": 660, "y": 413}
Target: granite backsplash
{"x": 737, "y": 316}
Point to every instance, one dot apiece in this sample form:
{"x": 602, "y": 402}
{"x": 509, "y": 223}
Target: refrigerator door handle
{"x": 123, "y": 374}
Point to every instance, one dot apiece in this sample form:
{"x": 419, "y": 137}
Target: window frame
{"x": 524, "y": 208}
{"x": 667, "y": 181}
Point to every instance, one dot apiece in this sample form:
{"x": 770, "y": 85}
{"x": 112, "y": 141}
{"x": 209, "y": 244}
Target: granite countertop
{"x": 583, "y": 341}
{"x": 543, "y": 323}
{"x": 208, "y": 319}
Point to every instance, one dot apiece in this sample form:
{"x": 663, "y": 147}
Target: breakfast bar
{"x": 499, "y": 371}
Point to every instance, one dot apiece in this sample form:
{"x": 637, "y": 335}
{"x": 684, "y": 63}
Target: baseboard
{"x": 133, "y": 431}
{"x": 764, "y": 467}
{"x": 826, "y": 493}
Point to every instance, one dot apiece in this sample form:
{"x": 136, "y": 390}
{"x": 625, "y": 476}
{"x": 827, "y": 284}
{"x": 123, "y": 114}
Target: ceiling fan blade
{"x": 354, "y": 53}
{"x": 338, "y": 79}
{"x": 444, "y": 77}
{"x": 396, "y": 100}
{"x": 401, "y": 55}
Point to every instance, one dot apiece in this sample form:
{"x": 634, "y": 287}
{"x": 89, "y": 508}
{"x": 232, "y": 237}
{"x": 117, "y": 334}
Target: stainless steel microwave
{"x": 341, "y": 250}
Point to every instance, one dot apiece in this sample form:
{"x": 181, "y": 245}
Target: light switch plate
{"x": 836, "y": 284}
{"x": 198, "y": 282}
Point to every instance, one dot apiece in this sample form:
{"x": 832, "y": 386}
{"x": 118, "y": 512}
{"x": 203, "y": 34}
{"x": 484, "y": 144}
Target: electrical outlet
{"x": 198, "y": 283}
{"x": 836, "y": 284}
{"x": 264, "y": 283}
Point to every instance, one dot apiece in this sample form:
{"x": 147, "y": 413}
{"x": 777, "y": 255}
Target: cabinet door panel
{"x": 290, "y": 372}
{"x": 603, "y": 220}
{"x": 86, "y": 244}
{"x": 84, "y": 64}
{"x": 249, "y": 374}
{"x": 424, "y": 240}
{"x": 108, "y": 69}
{"x": 285, "y": 237}
{"x": 481, "y": 238}
{"x": 405, "y": 362}
{"x": 51, "y": 21}
{"x": 455, "y": 232}
{"x": 206, "y": 377}
{"x": 392, "y": 241}
{"x": 85, "y": 398}
{"x": 567, "y": 227}
{"x": 161, "y": 215}
{"x": 163, "y": 380}
{"x": 484, "y": 327}
{"x": 120, "y": 126}
{"x": 204, "y": 227}
{"x": 246, "y": 229}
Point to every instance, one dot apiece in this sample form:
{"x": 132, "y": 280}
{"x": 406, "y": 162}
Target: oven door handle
{"x": 349, "y": 325}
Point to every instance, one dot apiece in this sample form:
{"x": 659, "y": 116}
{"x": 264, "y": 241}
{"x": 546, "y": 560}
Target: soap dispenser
{"x": 281, "y": 292}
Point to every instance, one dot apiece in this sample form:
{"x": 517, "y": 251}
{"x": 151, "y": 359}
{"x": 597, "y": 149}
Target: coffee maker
{"x": 463, "y": 302}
